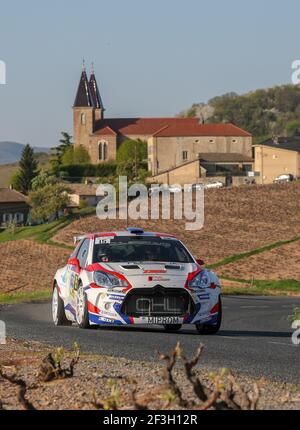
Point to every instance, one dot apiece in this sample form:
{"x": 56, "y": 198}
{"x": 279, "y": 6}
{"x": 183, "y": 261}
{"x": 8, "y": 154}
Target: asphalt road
{"x": 255, "y": 338}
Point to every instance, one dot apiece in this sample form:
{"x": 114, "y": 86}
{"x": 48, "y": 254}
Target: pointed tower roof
{"x": 95, "y": 93}
{"x": 83, "y": 96}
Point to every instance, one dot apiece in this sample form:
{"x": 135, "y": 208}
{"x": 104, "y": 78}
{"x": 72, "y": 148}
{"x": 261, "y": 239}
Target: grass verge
{"x": 282, "y": 287}
{"x": 25, "y": 297}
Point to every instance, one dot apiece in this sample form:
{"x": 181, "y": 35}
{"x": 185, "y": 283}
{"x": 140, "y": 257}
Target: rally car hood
{"x": 141, "y": 268}
{"x": 151, "y": 274}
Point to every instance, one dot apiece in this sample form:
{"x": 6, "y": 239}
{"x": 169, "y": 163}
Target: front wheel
{"x": 173, "y": 328}
{"x": 207, "y": 329}
{"x": 82, "y": 313}
{"x": 58, "y": 309}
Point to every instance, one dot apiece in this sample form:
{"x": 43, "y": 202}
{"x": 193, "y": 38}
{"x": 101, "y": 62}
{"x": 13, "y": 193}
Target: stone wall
{"x": 168, "y": 151}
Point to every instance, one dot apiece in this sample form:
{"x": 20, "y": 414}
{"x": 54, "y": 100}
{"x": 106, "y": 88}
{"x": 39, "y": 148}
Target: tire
{"x": 58, "y": 309}
{"x": 173, "y": 328}
{"x": 82, "y": 313}
{"x": 209, "y": 330}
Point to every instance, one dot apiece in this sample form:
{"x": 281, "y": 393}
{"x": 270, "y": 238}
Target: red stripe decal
{"x": 215, "y": 309}
{"x": 93, "y": 309}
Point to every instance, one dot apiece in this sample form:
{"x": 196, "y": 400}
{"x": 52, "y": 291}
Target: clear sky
{"x": 152, "y": 58}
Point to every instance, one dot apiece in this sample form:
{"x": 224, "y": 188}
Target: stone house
{"x": 13, "y": 206}
{"x": 276, "y": 157}
{"x": 83, "y": 193}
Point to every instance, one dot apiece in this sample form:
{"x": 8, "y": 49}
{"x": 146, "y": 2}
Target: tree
{"x": 261, "y": 112}
{"x": 28, "y": 170}
{"x": 48, "y": 201}
{"x": 132, "y": 158}
{"x": 81, "y": 155}
{"x": 78, "y": 155}
{"x": 131, "y": 150}
{"x": 293, "y": 128}
{"x": 42, "y": 179}
{"x": 59, "y": 151}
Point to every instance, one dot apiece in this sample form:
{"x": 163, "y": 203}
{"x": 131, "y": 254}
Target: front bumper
{"x": 151, "y": 306}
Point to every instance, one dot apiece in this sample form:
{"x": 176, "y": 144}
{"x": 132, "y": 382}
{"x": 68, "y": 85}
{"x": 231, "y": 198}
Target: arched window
{"x": 100, "y": 151}
{"x": 103, "y": 150}
{"x": 83, "y": 119}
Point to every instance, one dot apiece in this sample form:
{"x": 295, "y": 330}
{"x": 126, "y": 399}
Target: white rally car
{"x": 135, "y": 277}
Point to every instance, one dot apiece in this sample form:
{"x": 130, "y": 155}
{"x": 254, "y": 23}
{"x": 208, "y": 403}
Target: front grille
{"x": 158, "y": 302}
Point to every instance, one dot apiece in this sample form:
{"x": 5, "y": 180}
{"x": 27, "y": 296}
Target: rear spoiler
{"x": 79, "y": 239}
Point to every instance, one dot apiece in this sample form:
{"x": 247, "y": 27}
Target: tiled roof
{"x": 106, "y": 131}
{"x": 83, "y": 96}
{"x": 95, "y": 93}
{"x": 196, "y": 129}
{"x": 11, "y": 196}
{"x": 83, "y": 189}
{"x": 288, "y": 143}
{"x": 168, "y": 127}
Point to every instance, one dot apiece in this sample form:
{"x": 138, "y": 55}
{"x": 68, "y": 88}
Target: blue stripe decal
{"x": 70, "y": 309}
{"x": 97, "y": 320}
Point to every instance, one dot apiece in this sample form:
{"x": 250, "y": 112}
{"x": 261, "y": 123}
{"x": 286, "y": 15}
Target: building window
{"x": 211, "y": 140}
{"x": 7, "y": 218}
{"x": 83, "y": 119}
{"x": 103, "y": 150}
{"x": 234, "y": 141}
{"x": 19, "y": 217}
{"x": 185, "y": 155}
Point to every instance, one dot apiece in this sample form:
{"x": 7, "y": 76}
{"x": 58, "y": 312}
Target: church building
{"x": 172, "y": 142}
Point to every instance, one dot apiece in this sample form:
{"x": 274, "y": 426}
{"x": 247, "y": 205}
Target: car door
{"x": 76, "y": 264}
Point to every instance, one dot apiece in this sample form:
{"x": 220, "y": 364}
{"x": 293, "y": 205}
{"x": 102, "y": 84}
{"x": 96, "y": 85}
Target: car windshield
{"x": 134, "y": 249}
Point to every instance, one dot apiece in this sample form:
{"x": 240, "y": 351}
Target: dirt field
{"x": 236, "y": 220}
{"x": 6, "y": 172}
{"x": 99, "y": 375}
{"x": 28, "y": 266}
{"x": 280, "y": 263}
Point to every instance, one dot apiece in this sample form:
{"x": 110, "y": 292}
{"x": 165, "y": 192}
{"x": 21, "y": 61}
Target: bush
{"x": 76, "y": 155}
{"x": 48, "y": 201}
{"x": 79, "y": 171}
{"x": 83, "y": 204}
{"x": 133, "y": 151}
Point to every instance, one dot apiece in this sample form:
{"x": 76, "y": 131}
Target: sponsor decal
{"x": 103, "y": 240}
{"x": 158, "y": 279}
{"x": 116, "y": 298}
{"x": 106, "y": 320}
{"x": 154, "y": 272}
{"x": 163, "y": 320}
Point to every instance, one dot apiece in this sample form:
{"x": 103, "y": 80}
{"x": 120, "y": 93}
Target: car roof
{"x": 130, "y": 232}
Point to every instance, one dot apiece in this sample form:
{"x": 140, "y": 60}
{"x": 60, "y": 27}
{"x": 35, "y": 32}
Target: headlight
{"x": 107, "y": 280}
{"x": 200, "y": 281}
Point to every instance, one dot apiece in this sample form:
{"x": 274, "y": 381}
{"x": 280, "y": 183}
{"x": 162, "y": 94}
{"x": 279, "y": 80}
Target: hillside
{"x": 237, "y": 220}
{"x": 27, "y": 277}
{"x": 7, "y": 170}
{"x": 263, "y": 112}
{"x": 10, "y": 152}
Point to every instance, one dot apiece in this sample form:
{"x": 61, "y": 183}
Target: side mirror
{"x": 74, "y": 262}
{"x": 201, "y": 262}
